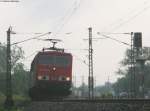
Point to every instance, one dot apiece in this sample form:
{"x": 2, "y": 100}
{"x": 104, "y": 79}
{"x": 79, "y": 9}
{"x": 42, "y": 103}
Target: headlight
{"x": 54, "y": 68}
{"x": 67, "y": 78}
{"x": 45, "y": 77}
{"x": 39, "y": 77}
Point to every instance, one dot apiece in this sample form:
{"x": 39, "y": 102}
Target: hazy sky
{"x": 74, "y": 17}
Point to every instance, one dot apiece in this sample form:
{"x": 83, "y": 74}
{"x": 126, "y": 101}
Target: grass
{"x": 19, "y": 102}
{"x": 12, "y": 109}
{"x": 2, "y": 99}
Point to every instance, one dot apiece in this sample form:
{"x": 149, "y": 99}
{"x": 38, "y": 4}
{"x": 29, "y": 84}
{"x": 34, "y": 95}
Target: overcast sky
{"x": 74, "y": 17}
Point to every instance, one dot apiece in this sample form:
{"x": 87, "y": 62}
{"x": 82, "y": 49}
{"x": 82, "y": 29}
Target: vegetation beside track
{"x": 19, "y": 103}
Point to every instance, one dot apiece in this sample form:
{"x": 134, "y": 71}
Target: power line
{"x": 77, "y": 49}
{"x": 131, "y": 18}
{"x": 114, "y": 39}
{"x": 31, "y": 38}
{"x": 68, "y": 15}
{"x": 133, "y": 14}
{"x": 64, "y": 17}
{"x": 81, "y": 60}
{"x": 27, "y": 33}
{"x": 109, "y": 33}
{"x": 9, "y": 0}
{"x": 31, "y": 55}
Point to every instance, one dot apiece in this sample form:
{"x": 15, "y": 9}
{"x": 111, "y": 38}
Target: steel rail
{"x": 126, "y": 101}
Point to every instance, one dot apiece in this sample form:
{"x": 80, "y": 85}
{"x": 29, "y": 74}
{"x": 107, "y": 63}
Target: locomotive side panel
{"x": 33, "y": 72}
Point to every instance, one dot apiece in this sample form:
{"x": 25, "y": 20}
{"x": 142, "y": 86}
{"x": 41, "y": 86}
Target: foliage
{"x": 107, "y": 95}
{"x": 16, "y": 54}
{"x": 20, "y": 80}
{"x": 103, "y": 90}
{"x": 20, "y": 76}
{"x": 123, "y": 84}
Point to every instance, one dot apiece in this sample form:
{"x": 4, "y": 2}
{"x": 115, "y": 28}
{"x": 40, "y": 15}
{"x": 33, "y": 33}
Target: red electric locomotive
{"x": 51, "y": 74}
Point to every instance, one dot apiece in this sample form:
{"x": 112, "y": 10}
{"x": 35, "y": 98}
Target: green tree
{"x": 19, "y": 74}
{"x": 20, "y": 80}
{"x": 16, "y": 55}
{"x": 123, "y": 84}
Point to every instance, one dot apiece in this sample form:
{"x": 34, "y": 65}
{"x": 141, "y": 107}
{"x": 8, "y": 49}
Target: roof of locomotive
{"x": 51, "y": 53}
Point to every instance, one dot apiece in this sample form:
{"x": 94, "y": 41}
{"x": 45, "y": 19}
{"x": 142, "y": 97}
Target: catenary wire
{"x": 68, "y": 15}
{"x": 31, "y": 38}
{"x": 131, "y": 18}
{"x": 106, "y": 36}
{"x": 121, "y": 20}
{"x": 78, "y": 58}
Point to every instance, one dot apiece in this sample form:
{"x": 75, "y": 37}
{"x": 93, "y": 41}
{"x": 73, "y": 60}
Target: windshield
{"x": 54, "y": 60}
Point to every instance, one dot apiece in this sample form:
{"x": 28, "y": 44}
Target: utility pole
{"x": 137, "y": 51}
{"x": 140, "y": 60}
{"x": 90, "y": 78}
{"x": 132, "y": 68}
{"x": 83, "y": 87}
{"x": 9, "y": 100}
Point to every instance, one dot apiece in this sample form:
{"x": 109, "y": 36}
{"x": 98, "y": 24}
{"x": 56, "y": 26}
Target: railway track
{"x": 90, "y": 105}
{"x": 101, "y": 100}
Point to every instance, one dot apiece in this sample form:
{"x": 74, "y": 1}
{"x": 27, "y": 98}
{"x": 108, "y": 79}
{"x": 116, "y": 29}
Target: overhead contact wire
{"x": 31, "y": 38}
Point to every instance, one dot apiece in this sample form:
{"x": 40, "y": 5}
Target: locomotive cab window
{"x": 54, "y": 60}
{"x": 61, "y": 61}
{"x": 45, "y": 59}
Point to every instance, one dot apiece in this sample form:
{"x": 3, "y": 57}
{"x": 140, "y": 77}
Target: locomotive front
{"x": 52, "y": 74}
